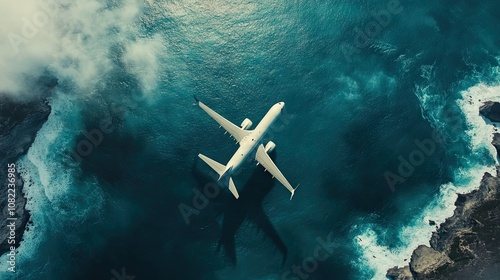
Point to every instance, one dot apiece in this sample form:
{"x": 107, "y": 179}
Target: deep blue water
{"x": 348, "y": 120}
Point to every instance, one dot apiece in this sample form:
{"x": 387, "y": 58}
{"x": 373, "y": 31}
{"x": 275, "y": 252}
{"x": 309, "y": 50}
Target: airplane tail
{"x": 293, "y": 192}
{"x": 222, "y": 171}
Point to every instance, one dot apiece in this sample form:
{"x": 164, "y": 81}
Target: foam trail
{"x": 379, "y": 257}
{"x": 482, "y": 134}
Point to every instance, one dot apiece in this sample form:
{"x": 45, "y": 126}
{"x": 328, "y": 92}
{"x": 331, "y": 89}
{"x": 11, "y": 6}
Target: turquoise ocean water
{"x": 363, "y": 82}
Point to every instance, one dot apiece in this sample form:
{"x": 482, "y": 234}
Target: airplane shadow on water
{"x": 248, "y": 206}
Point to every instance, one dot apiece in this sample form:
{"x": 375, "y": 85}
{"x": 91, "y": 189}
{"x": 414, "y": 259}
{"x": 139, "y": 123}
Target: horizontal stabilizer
{"x": 293, "y": 192}
{"x": 219, "y": 168}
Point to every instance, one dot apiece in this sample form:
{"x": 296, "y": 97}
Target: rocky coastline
{"x": 20, "y": 121}
{"x": 466, "y": 245}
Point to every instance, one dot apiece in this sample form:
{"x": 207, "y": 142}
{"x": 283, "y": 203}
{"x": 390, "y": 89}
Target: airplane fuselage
{"x": 251, "y": 141}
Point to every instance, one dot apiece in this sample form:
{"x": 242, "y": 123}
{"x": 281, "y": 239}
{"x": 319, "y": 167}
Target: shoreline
{"x": 20, "y": 123}
{"x": 465, "y": 244}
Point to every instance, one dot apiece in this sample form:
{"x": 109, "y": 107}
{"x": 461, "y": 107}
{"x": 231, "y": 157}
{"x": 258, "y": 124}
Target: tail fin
{"x": 225, "y": 172}
{"x": 293, "y": 192}
{"x": 221, "y": 170}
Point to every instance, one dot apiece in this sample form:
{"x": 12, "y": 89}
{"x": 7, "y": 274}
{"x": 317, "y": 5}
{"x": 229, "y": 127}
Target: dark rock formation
{"x": 400, "y": 273}
{"x": 425, "y": 260}
{"x": 466, "y": 245}
{"x": 496, "y": 143}
{"x": 19, "y": 124}
{"x": 491, "y": 110}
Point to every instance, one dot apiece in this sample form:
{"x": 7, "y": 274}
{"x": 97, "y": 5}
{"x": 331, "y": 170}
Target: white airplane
{"x": 249, "y": 140}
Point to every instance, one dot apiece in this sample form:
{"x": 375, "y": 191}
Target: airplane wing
{"x": 263, "y": 158}
{"x": 237, "y": 132}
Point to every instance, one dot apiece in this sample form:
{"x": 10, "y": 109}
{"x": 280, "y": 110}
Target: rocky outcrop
{"x": 19, "y": 124}
{"x": 425, "y": 260}
{"x": 491, "y": 110}
{"x": 400, "y": 273}
{"x": 466, "y": 245}
{"x": 496, "y": 143}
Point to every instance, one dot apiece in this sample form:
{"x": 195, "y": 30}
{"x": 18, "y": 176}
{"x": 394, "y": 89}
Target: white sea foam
{"x": 378, "y": 256}
{"x": 481, "y": 134}
{"x": 75, "y": 44}
{"x": 49, "y": 184}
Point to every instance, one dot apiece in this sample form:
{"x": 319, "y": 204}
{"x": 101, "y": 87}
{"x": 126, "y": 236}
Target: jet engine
{"x": 270, "y": 146}
{"x": 247, "y": 123}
